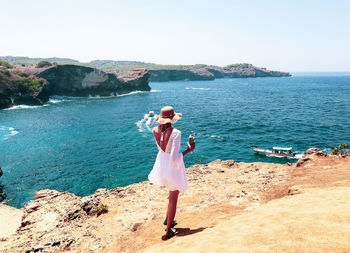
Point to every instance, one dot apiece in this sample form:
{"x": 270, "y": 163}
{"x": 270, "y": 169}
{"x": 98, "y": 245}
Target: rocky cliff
{"x": 212, "y": 72}
{"x": 230, "y": 206}
{"x": 165, "y": 75}
{"x": 72, "y": 80}
{"x": 32, "y": 85}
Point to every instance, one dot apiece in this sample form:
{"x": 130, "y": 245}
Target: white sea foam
{"x": 299, "y": 156}
{"x": 6, "y": 132}
{"x": 215, "y": 136}
{"x": 140, "y": 123}
{"x": 95, "y": 96}
{"x": 148, "y": 123}
{"x": 145, "y": 123}
{"x": 133, "y": 93}
{"x": 156, "y": 91}
{"x": 14, "y": 132}
{"x": 54, "y": 101}
{"x": 191, "y": 88}
{"x": 201, "y": 88}
{"x": 57, "y": 99}
{"x": 16, "y": 107}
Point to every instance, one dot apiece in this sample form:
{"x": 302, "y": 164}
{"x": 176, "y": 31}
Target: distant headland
{"x": 159, "y": 72}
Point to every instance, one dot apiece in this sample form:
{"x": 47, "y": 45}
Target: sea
{"x": 83, "y": 144}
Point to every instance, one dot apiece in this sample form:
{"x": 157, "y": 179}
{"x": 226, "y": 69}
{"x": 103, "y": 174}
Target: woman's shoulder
{"x": 176, "y": 131}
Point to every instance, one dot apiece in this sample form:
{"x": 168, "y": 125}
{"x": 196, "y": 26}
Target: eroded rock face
{"x": 165, "y": 75}
{"x": 53, "y": 212}
{"x": 135, "y": 79}
{"x": 72, "y": 80}
{"x": 52, "y": 209}
{"x": 248, "y": 70}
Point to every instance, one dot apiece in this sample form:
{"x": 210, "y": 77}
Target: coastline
{"x": 218, "y": 191}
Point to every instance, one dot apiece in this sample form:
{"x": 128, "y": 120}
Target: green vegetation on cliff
{"x": 19, "y": 81}
{"x": 28, "y": 85}
{"x": 43, "y": 64}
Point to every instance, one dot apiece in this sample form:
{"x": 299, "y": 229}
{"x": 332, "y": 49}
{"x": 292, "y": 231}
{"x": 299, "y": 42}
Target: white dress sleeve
{"x": 175, "y": 152}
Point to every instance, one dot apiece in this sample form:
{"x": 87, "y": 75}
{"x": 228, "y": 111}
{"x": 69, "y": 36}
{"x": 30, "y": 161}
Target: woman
{"x": 169, "y": 169}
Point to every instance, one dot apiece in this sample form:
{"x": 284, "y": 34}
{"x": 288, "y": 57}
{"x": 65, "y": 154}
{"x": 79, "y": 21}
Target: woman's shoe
{"x": 174, "y": 223}
{"x": 171, "y": 233}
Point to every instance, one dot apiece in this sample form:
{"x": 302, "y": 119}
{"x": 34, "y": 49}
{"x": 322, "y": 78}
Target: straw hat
{"x": 168, "y": 115}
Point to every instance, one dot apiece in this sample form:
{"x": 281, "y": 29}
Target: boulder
{"x": 316, "y": 151}
{"x": 52, "y": 209}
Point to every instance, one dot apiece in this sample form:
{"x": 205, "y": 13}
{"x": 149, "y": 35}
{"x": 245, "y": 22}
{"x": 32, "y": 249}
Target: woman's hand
{"x": 191, "y": 147}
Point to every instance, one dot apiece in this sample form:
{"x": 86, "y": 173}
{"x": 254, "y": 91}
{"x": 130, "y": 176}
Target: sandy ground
{"x": 10, "y": 220}
{"x": 317, "y": 220}
{"x": 309, "y": 212}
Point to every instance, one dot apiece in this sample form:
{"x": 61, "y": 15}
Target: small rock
{"x": 295, "y": 189}
{"x": 136, "y": 226}
{"x": 229, "y": 163}
{"x": 302, "y": 161}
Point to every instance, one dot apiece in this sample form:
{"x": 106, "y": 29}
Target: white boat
{"x": 279, "y": 152}
{"x": 151, "y": 114}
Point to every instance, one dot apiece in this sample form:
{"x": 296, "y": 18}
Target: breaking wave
{"x": 6, "y": 132}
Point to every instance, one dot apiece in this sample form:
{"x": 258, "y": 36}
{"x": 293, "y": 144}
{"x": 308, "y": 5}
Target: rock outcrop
{"x": 165, "y": 75}
{"x": 73, "y": 80}
{"x": 33, "y": 86}
{"x": 245, "y": 70}
{"x": 17, "y": 87}
{"x": 312, "y": 151}
{"x": 212, "y": 72}
{"x": 228, "y": 205}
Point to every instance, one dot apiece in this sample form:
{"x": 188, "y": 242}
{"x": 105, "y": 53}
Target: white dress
{"x": 169, "y": 168}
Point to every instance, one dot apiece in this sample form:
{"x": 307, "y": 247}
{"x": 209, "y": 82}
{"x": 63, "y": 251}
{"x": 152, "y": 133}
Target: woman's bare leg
{"x": 171, "y": 209}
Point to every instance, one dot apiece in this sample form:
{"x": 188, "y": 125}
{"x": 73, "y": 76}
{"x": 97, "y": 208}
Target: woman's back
{"x": 163, "y": 138}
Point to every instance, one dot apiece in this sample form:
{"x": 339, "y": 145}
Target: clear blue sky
{"x": 298, "y": 35}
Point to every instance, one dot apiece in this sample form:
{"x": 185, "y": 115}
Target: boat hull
{"x": 270, "y": 153}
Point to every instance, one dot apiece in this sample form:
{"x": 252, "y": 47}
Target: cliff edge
{"x": 229, "y": 207}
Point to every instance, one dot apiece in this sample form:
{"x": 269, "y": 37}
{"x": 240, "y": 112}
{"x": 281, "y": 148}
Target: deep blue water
{"x": 82, "y": 144}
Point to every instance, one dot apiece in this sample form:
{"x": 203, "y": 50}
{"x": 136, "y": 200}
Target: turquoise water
{"x": 82, "y": 144}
